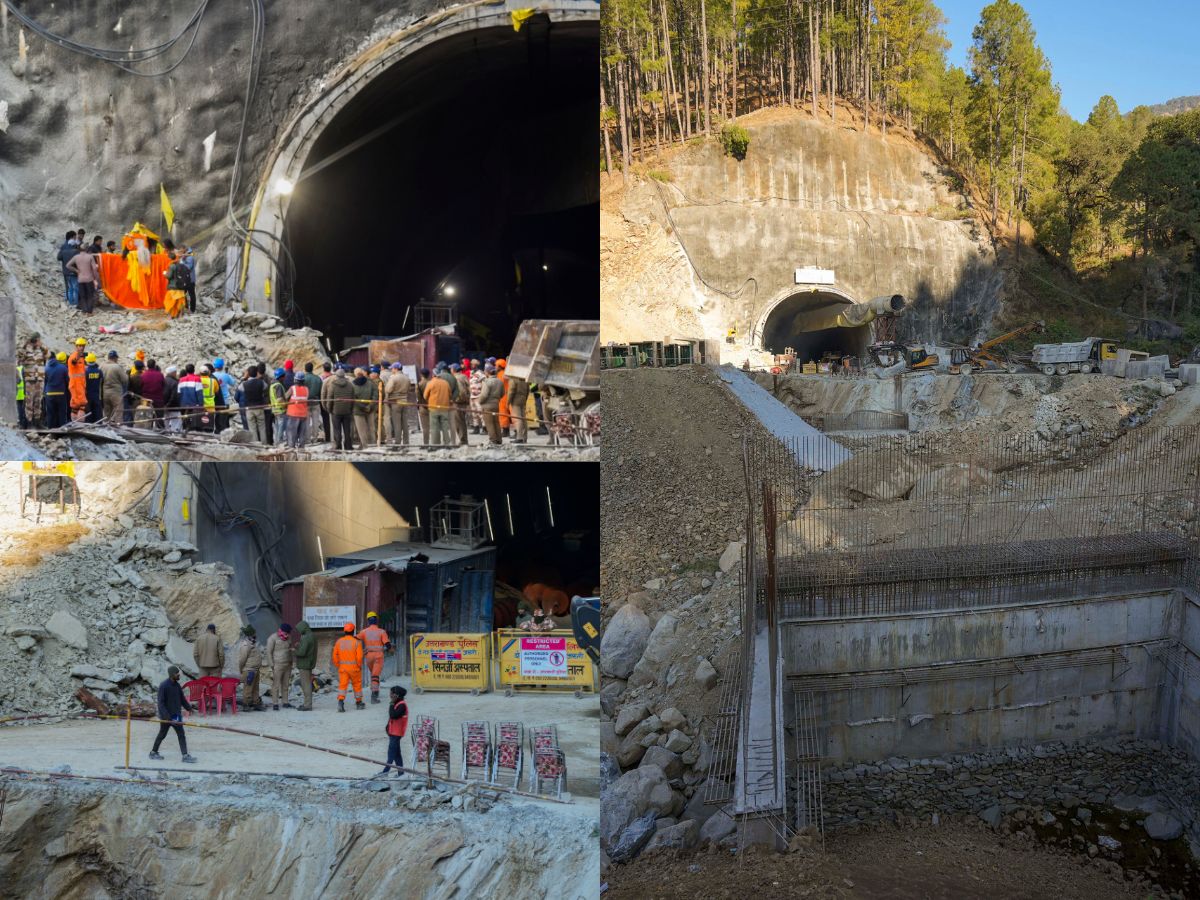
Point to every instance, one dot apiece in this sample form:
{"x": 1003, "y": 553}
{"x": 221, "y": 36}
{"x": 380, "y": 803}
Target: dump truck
{"x": 1077, "y": 356}
{"x": 563, "y": 357}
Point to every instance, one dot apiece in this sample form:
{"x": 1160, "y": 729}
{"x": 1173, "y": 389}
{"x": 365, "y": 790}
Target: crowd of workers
{"x": 350, "y": 408}
{"x": 287, "y": 650}
{"x": 82, "y": 283}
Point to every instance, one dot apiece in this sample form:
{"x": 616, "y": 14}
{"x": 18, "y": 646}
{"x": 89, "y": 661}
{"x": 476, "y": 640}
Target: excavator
{"x": 981, "y": 358}
{"x": 886, "y": 354}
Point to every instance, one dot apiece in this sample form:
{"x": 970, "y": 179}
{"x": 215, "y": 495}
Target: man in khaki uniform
{"x": 397, "y": 390}
{"x": 282, "y": 655}
{"x": 210, "y": 653}
{"x": 518, "y": 394}
{"x": 250, "y": 660}
{"x": 489, "y": 403}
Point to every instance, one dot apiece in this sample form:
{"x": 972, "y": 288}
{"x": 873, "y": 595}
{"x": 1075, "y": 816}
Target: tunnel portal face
{"x": 797, "y": 322}
{"x": 467, "y": 164}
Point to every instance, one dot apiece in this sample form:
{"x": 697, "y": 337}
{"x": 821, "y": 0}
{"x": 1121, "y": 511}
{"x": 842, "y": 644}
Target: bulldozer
{"x": 888, "y": 353}
{"x": 985, "y": 357}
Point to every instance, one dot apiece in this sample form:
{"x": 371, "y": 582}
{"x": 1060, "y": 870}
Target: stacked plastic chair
{"x": 507, "y": 752}
{"x": 549, "y": 762}
{"x": 476, "y": 750}
{"x": 430, "y": 750}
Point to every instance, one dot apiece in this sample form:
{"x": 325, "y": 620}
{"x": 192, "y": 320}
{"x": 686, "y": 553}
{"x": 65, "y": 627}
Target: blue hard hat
{"x": 218, "y": 363}
{"x": 279, "y": 373}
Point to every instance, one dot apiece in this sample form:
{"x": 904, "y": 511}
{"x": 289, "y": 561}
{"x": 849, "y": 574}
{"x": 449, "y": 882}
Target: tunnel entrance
{"x": 803, "y": 321}
{"x": 464, "y": 173}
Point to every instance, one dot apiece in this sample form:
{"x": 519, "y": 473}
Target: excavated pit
{"x": 404, "y": 192}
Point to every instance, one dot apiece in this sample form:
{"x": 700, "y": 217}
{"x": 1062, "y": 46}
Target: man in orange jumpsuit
{"x": 77, "y": 379}
{"x": 347, "y": 659}
{"x": 505, "y": 418}
{"x": 375, "y": 643}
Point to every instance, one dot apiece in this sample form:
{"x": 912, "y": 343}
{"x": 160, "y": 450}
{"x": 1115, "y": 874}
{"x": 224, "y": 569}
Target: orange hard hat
{"x": 348, "y": 628}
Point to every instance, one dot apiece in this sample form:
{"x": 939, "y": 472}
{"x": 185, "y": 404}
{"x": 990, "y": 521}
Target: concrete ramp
{"x": 810, "y": 447}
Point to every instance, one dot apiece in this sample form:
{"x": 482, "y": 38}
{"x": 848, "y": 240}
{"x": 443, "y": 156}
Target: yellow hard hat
{"x": 91, "y": 357}
{"x": 60, "y": 356}
{"x": 80, "y": 342}
{"x": 372, "y": 615}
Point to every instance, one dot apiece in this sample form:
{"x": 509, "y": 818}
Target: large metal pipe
{"x": 848, "y": 315}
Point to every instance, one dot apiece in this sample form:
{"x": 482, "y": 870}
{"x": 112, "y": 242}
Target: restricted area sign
{"x": 551, "y": 659}
{"x": 450, "y": 662}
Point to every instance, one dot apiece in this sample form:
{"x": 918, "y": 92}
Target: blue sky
{"x": 1146, "y": 51}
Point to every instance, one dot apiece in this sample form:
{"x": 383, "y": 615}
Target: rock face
{"x": 624, "y": 641}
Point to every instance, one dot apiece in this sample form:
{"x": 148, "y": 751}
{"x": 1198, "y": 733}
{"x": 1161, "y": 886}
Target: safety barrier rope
{"x": 128, "y": 719}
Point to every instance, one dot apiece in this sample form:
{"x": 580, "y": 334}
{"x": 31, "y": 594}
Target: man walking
{"x": 210, "y": 653}
{"x": 171, "y": 704}
{"x": 282, "y": 656}
{"x": 375, "y": 643}
{"x": 347, "y": 658}
{"x": 306, "y": 661}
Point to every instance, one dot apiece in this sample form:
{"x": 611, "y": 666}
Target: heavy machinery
{"x": 888, "y": 353}
{"x": 985, "y": 357}
{"x": 563, "y": 357}
{"x": 1078, "y": 356}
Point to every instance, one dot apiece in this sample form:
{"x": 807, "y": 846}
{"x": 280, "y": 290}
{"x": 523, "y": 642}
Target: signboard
{"x": 551, "y": 659}
{"x": 329, "y": 616}
{"x": 449, "y": 662}
{"x": 813, "y": 275}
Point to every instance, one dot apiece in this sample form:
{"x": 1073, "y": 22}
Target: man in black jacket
{"x": 171, "y": 704}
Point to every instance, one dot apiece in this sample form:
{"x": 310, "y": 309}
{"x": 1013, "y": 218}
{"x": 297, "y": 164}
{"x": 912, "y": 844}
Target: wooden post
{"x": 128, "y": 727}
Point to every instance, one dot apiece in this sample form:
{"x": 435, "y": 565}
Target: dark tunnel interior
{"x": 466, "y": 172}
{"x": 789, "y": 323}
{"x": 553, "y": 531}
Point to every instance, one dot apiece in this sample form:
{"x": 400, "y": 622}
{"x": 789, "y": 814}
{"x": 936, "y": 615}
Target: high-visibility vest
{"x": 208, "y": 389}
{"x": 298, "y": 407}
{"x": 20, "y": 382}
{"x": 397, "y": 727}
{"x": 347, "y": 651}
{"x": 374, "y": 638}
{"x": 276, "y": 393}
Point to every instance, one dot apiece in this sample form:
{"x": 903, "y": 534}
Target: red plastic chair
{"x": 226, "y": 692}
{"x": 212, "y": 686}
{"x": 197, "y": 695}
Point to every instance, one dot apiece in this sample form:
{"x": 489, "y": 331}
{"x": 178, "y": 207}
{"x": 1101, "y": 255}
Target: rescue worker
{"x": 347, "y": 658}
{"x": 77, "y": 375}
{"x": 337, "y": 396}
{"x": 306, "y": 661}
{"x": 211, "y": 396}
{"x": 462, "y": 403}
{"x": 228, "y": 386}
{"x": 171, "y": 704}
{"x": 396, "y": 391}
{"x": 114, "y": 384}
{"x": 93, "y": 378}
{"x": 210, "y": 653}
{"x": 476, "y": 383}
{"x": 282, "y": 656}
{"x": 489, "y": 403}
{"x": 22, "y": 422}
{"x": 250, "y": 661}
{"x": 365, "y": 397}
{"x": 731, "y": 335}
{"x": 518, "y": 395}
{"x": 396, "y": 728}
{"x": 277, "y": 394}
{"x": 504, "y": 420}
{"x": 297, "y": 412}
{"x": 375, "y": 643}
{"x": 56, "y": 391}
{"x": 437, "y": 396}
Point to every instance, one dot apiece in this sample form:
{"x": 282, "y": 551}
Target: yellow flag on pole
{"x": 520, "y": 17}
{"x": 168, "y": 213}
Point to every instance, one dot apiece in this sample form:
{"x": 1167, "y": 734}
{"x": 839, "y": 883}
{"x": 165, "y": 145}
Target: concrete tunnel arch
{"x": 788, "y": 319}
{"x": 406, "y": 55}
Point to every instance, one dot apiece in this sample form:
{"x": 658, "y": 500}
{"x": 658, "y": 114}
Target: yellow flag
{"x": 520, "y": 17}
{"x": 168, "y": 213}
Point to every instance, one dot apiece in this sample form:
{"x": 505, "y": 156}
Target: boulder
{"x": 179, "y": 652}
{"x": 731, "y": 556}
{"x": 609, "y": 772}
{"x": 706, "y": 675}
{"x": 717, "y": 827}
{"x": 677, "y": 741}
{"x": 663, "y": 758}
{"x": 629, "y": 716}
{"x": 672, "y": 719}
{"x": 172, "y": 557}
{"x": 25, "y": 642}
{"x": 659, "y": 652}
{"x": 632, "y": 796}
{"x": 155, "y": 637}
{"x": 633, "y": 839}
{"x": 68, "y": 630}
{"x": 680, "y": 836}
{"x": 992, "y": 815}
{"x": 1162, "y": 826}
{"x": 624, "y": 641}
{"x": 610, "y": 695}
{"x": 697, "y": 808}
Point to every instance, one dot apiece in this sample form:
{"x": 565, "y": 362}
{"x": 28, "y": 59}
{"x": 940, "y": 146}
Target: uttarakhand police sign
{"x": 449, "y": 662}
{"x": 550, "y": 659}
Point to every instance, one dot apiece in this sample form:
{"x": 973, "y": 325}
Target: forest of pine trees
{"x": 1116, "y": 187}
